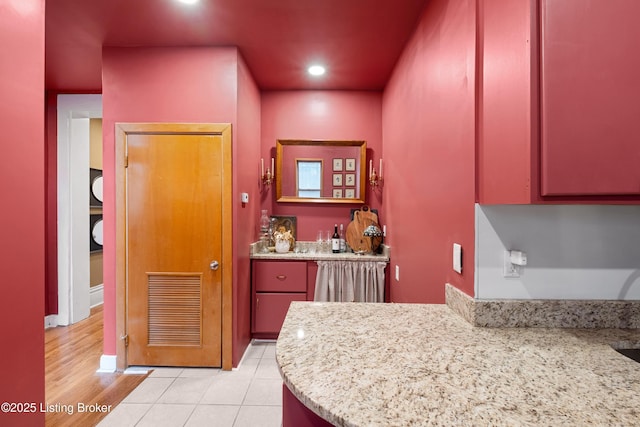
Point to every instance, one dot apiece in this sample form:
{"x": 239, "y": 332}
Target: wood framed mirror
{"x": 320, "y": 171}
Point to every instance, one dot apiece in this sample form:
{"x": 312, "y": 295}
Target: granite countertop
{"x": 291, "y": 256}
{"x": 307, "y": 255}
{"x": 363, "y": 364}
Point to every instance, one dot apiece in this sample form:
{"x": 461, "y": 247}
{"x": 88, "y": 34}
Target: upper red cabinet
{"x": 506, "y": 102}
{"x": 558, "y": 101}
{"x": 590, "y": 97}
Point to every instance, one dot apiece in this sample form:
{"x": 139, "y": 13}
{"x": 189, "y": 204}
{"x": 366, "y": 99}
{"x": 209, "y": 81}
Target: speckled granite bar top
{"x": 364, "y": 364}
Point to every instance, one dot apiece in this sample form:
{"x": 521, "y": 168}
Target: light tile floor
{"x": 250, "y": 396}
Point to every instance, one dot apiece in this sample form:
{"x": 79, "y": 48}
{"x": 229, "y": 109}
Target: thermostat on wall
{"x": 244, "y": 197}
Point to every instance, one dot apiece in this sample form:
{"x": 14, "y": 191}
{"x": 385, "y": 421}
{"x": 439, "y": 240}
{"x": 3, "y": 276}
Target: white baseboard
{"x": 96, "y": 295}
{"x": 107, "y": 364}
{"x": 50, "y": 321}
{"x": 96, "y": 298}
{"x": 137, "y": 370}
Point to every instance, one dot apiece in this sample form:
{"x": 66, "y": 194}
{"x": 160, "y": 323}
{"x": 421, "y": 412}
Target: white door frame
{"x": 74, "y": 112}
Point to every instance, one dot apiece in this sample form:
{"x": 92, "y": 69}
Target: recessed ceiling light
{"x": 316, "y": 70}
{"x": 189, "y": 1}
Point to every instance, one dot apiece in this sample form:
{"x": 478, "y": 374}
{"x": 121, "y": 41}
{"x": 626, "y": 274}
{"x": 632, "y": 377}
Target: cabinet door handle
{"x": 257, "y": 302}
{"x": 281, "y": 277}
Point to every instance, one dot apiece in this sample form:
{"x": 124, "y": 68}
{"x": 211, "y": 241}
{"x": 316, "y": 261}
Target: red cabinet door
{"x": 590, "y": 97}
{"x": 280, "y": 276}
{"x": 270, "y": 310}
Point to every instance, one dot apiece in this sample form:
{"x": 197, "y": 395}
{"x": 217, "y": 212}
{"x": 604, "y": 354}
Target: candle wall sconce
{"x": 269, "y": 175}
{"x": 375, "y": 178}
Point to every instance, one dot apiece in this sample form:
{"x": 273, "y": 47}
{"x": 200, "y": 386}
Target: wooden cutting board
{"x": 361, "y": 220}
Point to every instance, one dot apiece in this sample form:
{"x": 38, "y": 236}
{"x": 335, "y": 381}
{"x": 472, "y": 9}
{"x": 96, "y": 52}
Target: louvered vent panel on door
{"x": 175, "y": 310}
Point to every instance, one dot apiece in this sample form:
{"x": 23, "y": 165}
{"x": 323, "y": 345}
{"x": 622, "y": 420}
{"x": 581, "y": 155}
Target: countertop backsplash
{"x": 544, "y": 313}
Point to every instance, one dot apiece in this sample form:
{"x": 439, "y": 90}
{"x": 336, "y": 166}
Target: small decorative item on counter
{"x": 282, "y": 246}
{"x": 264, "y": 221}
{"x": 283, "y": 239}
{"x": 281, "y": 224}
{"x": 357, "y": 240}
{"x": 373, "y": 232}
{"x": 326, "y": 247}
{"x": 264, "y": 232}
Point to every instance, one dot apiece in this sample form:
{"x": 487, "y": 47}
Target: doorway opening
{"x": 75, "y": 259}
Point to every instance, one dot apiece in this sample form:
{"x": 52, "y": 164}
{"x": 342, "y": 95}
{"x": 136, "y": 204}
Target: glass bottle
{"x": 264, "y": 222}
{"x": 343, "y": 243}
{"x": 335, "y": 240}
{"x": 264, "y": 231}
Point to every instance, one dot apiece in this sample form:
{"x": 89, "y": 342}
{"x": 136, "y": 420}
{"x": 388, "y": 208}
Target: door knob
{"x": 214, "y": 265}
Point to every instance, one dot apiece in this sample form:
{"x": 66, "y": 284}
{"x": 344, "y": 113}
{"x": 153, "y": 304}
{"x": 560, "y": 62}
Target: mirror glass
{"x": 320, "y": 171}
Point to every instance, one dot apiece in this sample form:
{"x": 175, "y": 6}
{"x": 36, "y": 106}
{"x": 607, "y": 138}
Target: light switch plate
{"x": 457, "y": 258}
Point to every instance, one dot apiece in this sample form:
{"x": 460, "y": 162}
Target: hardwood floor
{"x": 72, "y": 356}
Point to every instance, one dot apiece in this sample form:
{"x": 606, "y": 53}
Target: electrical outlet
{"x": 510, "y": 269}
{"x": 397, "y": 273}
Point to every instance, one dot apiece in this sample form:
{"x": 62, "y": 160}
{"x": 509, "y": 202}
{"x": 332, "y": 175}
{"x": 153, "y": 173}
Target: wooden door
{"x": 173, "y": 233}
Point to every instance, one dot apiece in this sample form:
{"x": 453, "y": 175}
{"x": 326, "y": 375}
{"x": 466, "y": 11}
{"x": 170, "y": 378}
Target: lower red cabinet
{"x": 270, "y": 310}
{"x": 275, "y": 285}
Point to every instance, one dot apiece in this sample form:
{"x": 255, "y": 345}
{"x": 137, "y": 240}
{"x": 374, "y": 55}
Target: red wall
{"x": 22, "y": 173}
{"x": 51, "y": 154}
{"x": 429, "y": 146}
{"x": 246, "y": 137}
{"x": 174, "y": 85}
{"x": 339, "y": 115}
